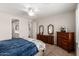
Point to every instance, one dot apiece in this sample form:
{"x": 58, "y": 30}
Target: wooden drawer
{"x": 63, "y": 37}
{"x": 46, "y": 38}
{"x": 65, "y": 44}
{"x": 65, "y": 40}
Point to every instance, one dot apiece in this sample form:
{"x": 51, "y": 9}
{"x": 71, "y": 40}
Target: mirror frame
{"x": 52, "y": 29}
{"x": 41, "y": 26}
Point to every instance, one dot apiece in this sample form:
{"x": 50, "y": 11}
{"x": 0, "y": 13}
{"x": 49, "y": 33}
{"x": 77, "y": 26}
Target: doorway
{"x": 15, "y": 28}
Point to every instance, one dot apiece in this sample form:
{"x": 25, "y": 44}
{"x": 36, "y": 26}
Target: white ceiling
{"x": 45, "y": 9}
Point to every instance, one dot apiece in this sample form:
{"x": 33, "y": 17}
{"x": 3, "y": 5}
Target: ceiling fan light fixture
{"x": 31, "y": 10}
{"x": 31, "y": 13}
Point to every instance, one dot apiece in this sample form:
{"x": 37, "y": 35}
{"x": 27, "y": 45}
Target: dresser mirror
{"x": 50, "y": 29}
{"x": 41, "y": 29}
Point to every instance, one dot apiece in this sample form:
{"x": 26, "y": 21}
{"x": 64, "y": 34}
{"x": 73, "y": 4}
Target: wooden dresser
{"x": 66, "y": 40}
{"x": 46, "y": 38}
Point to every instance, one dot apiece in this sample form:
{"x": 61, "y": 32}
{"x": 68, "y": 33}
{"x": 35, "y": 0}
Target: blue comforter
{"x": 17, "y": 47}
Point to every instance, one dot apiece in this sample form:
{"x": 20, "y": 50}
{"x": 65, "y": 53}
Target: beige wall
{"x": 5, "y": 26}
{"x": 34, "y": 29}
{"x": 64, "y": 19}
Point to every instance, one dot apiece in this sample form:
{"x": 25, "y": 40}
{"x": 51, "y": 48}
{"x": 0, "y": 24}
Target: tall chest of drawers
{"x": 66, "y": 40}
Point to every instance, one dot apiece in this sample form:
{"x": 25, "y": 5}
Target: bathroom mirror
{"x": 50, "y": 29}
{"x": 41, "y": 29}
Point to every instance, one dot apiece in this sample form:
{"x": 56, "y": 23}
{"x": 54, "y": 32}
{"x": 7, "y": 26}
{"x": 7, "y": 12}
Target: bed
{"x": 40, "y": 45}
{"x": 21, "y": 47}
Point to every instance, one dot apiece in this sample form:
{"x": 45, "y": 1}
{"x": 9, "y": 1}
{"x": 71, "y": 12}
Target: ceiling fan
{"x": 31, "y": 10}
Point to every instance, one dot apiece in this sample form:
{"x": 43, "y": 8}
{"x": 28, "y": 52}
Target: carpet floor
{"x": 53, "y": 50}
